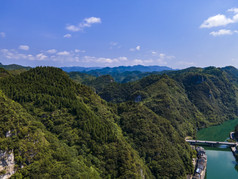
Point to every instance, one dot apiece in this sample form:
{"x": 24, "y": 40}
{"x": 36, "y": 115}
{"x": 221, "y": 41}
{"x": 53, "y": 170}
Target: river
{"x": 221, "y": 163}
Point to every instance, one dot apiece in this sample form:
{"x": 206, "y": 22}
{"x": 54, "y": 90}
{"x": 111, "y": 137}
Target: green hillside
{"x": 190, "y": 99}
{"x": 59, "y": 128}
{"x": 38, "y": 153}
{"x": 4, "y": 73}
{"x": 78, "y": 118}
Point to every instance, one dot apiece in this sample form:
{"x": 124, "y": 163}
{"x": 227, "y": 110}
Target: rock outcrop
{"x": 7, "y": 164}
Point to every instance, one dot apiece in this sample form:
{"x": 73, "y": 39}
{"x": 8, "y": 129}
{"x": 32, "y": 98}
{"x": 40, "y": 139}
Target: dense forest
{"x": 94, "y": 127}
{"x": 190, "y": 99}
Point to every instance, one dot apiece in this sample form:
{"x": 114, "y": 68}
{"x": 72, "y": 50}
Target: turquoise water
{"x": 221, "y": 163}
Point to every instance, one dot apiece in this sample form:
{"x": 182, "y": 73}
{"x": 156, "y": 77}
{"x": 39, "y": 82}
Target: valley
{"x": 99, "y": 128}
{"x": 221, "y": 162}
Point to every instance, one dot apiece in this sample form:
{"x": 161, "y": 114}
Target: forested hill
{"x": 190, "y": 99}
{"x": 56, "y": 128}
{"x": 13, "y": 67}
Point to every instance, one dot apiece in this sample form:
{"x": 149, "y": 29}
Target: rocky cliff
{"x": 7, "y": 164}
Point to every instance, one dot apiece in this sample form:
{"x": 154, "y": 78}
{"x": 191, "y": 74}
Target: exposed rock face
{"x": 7, "y": 164}
{"x": 142, "y": 174}
{"x": 8, "y": 134}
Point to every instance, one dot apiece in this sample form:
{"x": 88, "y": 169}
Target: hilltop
{"x": 61, "y": 128}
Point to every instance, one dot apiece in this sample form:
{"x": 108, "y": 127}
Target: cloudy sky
{"x": 102, "y": 33}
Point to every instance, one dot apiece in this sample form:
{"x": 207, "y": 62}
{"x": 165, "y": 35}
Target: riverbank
{"x": 220, "y": 161}
{"x": 234, "y": 149}
{"x": 199, "y": 163}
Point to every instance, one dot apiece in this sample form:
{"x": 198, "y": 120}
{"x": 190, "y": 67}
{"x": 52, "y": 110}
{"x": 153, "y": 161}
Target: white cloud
{"x": 135, "y": 49}
{"x": 30, "y": 57}
{"x": 41, "y": 56}
{"x": 221, "y": 19}
{"x": 149, "y": 62}
{"x": 2, "y": 34}
{"x": 235, "y": 18}
{"x": 103, "y": 60}
{"x": 24, "y": 47}
{"x": 78, "y": 51}
{"x": 67, "y": 36}
{"x": 106, "y": 60}
{"x": 51, "y": 51}
{"x": 63, "y": 53}
{"x": 221, "y": 32}
{"x": 87, "y": 22}
{"x": 156, "y": 54}
{"x": 4, "y": 50}
{"x": 138, "y": 62}
{"x": 92, "y": 20}
{"x": 216, "y": 21}
{"x": 113, "y": 43}
{"x": 13, "y": 54}
{"x": 73, "y": 57}
{"x": 161, "y": 61}
{"x": 235, "y": 10}
{"x": 184, "y": 64}
{"x": 162, "y": 55}
{"x": 73, "y": 28}
{"x": 122, "y": 58}
{"x": 138, "y": 48}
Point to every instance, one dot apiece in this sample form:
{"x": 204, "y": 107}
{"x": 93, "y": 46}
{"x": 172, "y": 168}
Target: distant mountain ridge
{"x": 14, "y": 67}
{"x": 78, "y": 68}
{"x": 120, "y": 69}
{"x": 121, "y": 74}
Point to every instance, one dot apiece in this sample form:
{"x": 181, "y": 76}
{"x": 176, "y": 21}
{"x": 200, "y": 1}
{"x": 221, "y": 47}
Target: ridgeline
{"x": 57, "y": 127}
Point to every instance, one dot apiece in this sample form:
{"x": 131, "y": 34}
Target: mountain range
{"x": 58, "y": 125}
{"x": 120, "y": 69}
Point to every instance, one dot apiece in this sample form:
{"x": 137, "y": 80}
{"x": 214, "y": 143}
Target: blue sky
{"x": 102, "y": 33}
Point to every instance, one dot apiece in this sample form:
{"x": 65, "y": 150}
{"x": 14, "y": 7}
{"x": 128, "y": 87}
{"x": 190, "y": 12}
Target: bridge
{"x": 212, "y": 143}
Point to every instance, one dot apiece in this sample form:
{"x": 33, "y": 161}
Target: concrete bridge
{"x": 212, "y": 143}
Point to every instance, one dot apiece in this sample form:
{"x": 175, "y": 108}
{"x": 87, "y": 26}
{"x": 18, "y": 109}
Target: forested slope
{"x": 63, "y": 129}
{"x": 191, "y": 99}
{"x": 37, "y": 152}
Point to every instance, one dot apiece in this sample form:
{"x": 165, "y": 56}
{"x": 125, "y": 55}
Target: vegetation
{"x": 191, "y": 99}
{"x": 4, "y": 73}
{"x": 157, "y": 142}
{"x": 62, "y": 129}
{"x": 14, "y": 67}
{"x": 38, "y": 153}
{"x": 73, "y": 126}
